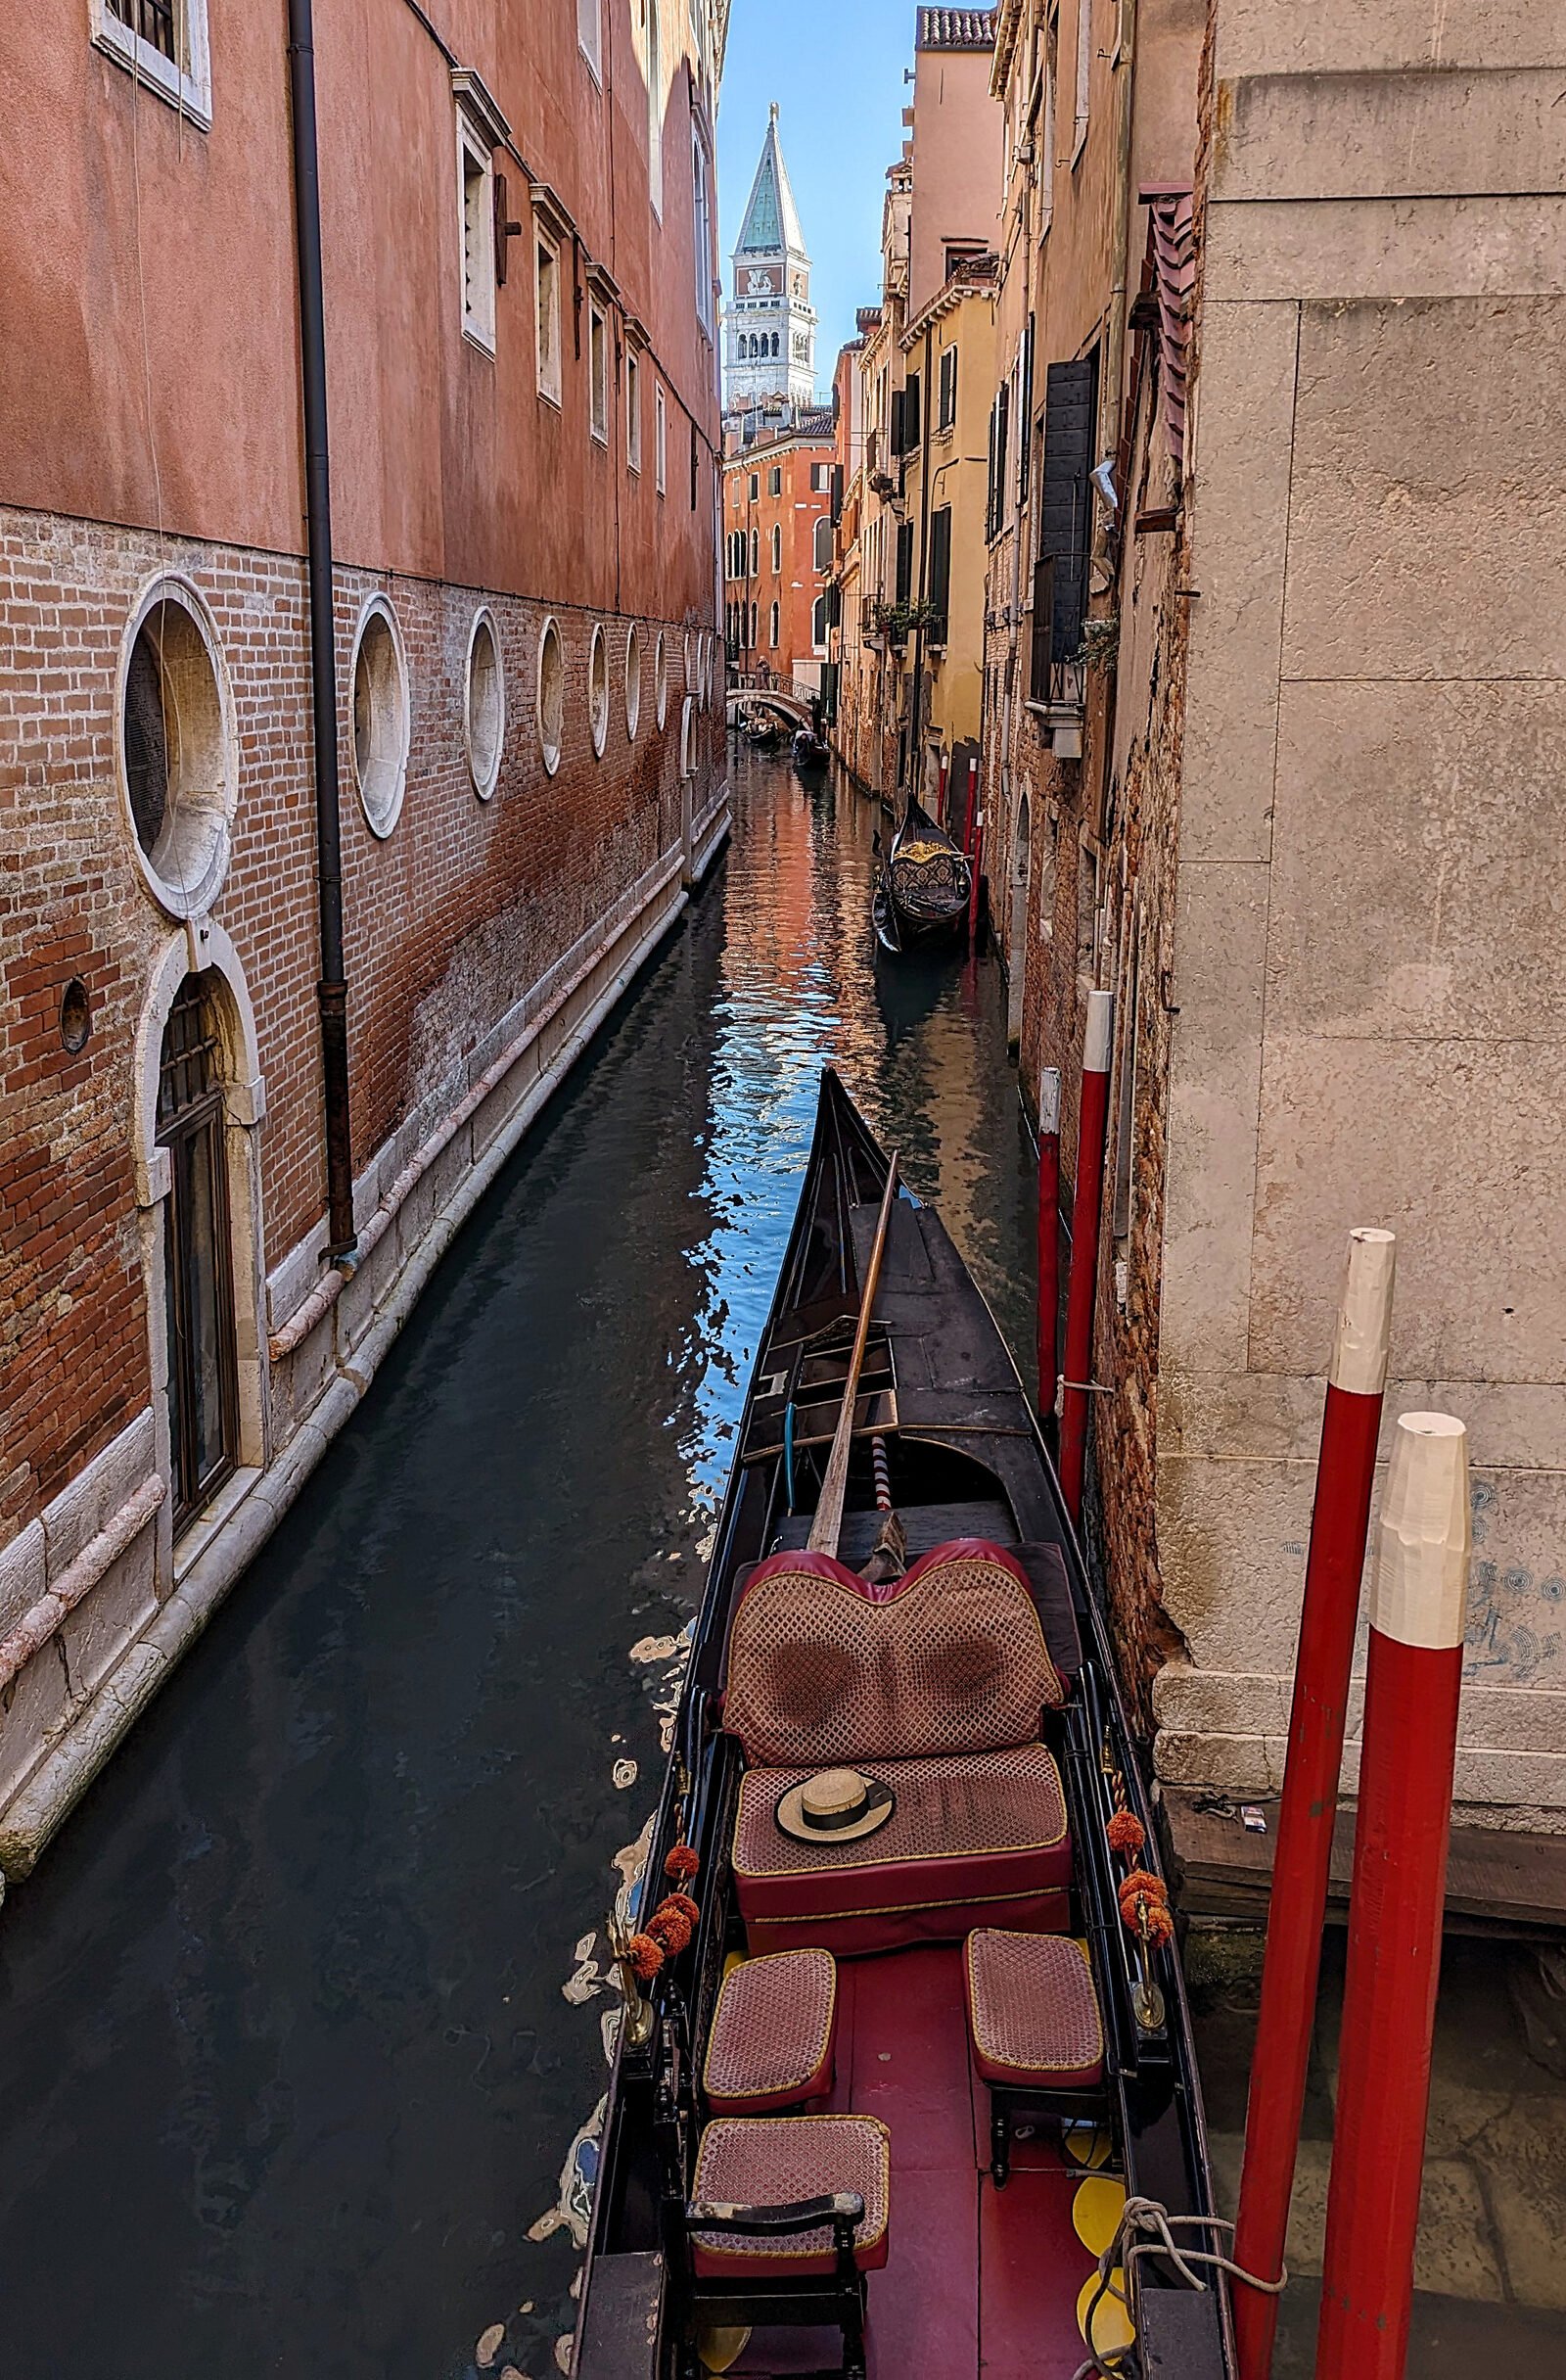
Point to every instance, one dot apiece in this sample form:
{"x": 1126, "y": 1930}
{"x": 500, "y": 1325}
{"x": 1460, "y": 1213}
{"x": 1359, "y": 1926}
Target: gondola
{"x": 766, "y": 734}
{"x": 922, "y": 894}
{"x": 809, "y": 749}
{"x": 904, "y": 2024}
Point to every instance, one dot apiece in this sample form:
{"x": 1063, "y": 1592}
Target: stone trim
{"x": 97, "y": 1557}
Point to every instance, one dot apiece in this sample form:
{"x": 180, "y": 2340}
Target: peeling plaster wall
{"x": 1370, "y": 932}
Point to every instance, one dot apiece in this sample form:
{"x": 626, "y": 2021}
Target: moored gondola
{"x": 809, "y": 749}
{"x": 906, "y": 2028}
{"x": 921, "y": 894}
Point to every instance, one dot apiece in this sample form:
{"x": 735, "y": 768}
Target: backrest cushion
{"x": 955, "y": 1661}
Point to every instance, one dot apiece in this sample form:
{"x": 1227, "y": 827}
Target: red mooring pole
{"x": 976, "y": 865}
{"x": 1345, "y": 1476}
{"x": 1082, "y": 1284}
{"x": 940, "y": 798}
{"x": 1414, "y": 1676}
{"x": 1049, "y": 1239}
{"x": 973, "y": 808}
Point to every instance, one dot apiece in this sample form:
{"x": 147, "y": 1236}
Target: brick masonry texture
{"x": 447, "y": 921}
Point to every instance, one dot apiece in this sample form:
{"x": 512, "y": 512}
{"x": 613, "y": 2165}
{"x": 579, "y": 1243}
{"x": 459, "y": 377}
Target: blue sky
{"x": 835, "y": 67}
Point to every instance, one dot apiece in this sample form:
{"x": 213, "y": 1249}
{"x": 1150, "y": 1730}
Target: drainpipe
{"x": 331, "y": 990}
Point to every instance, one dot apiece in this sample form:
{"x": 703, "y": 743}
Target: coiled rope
{"x": 1147, "y": 2228}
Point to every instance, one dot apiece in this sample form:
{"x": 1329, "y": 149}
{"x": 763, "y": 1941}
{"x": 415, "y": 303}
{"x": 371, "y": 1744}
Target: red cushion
{"x": 773, "y": 2035}
{"x": 1033, "y": 2011}
{"x": 969, "y": 1840}
{"x": 953, "y": 1662}
{"x": 770, "y": 2161}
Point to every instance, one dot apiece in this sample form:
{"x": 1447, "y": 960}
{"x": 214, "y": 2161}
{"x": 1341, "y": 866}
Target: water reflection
{"x": 290, "y": 2067}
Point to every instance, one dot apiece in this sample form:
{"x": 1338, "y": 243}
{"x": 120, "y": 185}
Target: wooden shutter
{"x": 939, "y": 571}
{"x": 912, "y": 411}
{"x": 905, "y": 581}
{"x": 1025, "y": 426}
{"x": 1066, "y": 510}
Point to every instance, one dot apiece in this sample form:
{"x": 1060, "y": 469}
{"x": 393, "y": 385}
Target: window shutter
{"x": 939, "y": 572}
{"x": 1003, "y": 441}
{"x": 837, "y": 493}
{"x": 990, "y": 492}
{"x": 910, "y": 413}
{"x": 1025, "y": 427}
{"x": 904, "y": 583}
{"x": 895, "y": 441}
{"x": 1071, "y": 402}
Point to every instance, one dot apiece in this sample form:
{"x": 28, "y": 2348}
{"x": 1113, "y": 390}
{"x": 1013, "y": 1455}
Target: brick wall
{"x": 447, "y": 921}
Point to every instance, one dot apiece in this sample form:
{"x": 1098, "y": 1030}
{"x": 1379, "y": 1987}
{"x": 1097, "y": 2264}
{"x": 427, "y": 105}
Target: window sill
{"x": 198, "y": 1534}
{"x": 549, "y": 396}
{"x": 187, "y": 93}
{"x": 474, "y": 338}
{"x": 600, "y": 438}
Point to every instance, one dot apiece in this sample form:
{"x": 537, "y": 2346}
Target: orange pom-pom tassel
{"x": 646, "y": 1955}
{"x": 683, "y": 1863}
{"x": 683, "y": 1903}
{"x": 670, "y": 1927}
{"x": 1141, "y": 1884}
{"x": 1126, "y": 1832}
{"x": 1159, "y": 1923}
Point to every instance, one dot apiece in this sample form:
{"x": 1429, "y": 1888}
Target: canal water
{"x": 301, "y": 2013}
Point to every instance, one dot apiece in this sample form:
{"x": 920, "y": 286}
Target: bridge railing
{"x": 772, "y": 682}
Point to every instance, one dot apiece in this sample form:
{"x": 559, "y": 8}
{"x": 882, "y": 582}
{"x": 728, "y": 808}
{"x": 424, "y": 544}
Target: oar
{"x": 828, "y": 1521}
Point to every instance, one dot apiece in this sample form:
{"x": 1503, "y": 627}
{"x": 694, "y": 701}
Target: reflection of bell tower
{"x": 769, "y": 348}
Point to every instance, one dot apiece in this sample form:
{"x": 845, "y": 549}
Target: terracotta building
{"x": 908, "y": 643}
{"x": 1272, "y": 685}
{"x": 360, "y": 727}
{"x": 777, "y": 541}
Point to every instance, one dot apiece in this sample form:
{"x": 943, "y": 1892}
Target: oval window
{"x": 381, "y": 721}
{"x": 661, "y": 678}
{"x": 633, "y": 681}
{"x": 486, "y": 706}
{"x": 176, "y": 756}
{"x": 598, "y": 691}
{"x": 551, "y": 695}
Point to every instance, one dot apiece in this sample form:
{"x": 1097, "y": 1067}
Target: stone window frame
{"x": 598, "y": 689}
{"x": 193, "y": 898}
{"x": 777, "y": 550}
{"x": 381, "y": 818}
{"x": 186, "y": 86}
{"x": 633, "y": 682}
{"x": 590, "y": 37}
{"x": 203, "y": 947}
{"x": 551, "y": 751}
{"x": 661, "y": 437}
{"x": 548, "y": 312}
{"x": 633, "y": 410}
{"x": 660, "y": 681}
{"x": 774, "y": 624}
{"x": 483, "y": 781}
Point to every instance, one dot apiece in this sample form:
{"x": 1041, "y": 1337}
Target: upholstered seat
{"x": 772, "y": 2161}
{"x": 772, "y": 2034}
{"x": 1032, "y": 2013}
{"x": 936, "y": 1685}
{"x": 971, "y": 1837}
{"x": 1034, "y": 2023}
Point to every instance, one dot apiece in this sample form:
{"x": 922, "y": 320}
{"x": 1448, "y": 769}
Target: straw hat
{"x": 838, "y": 1805}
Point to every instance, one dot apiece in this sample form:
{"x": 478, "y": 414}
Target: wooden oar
{"x": 828, "y": 1521}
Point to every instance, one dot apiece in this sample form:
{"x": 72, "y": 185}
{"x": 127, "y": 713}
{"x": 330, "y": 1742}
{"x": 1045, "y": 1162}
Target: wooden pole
{"x": 1351, "y": 1423}
{"x": 828, "y": 1521}
{"x": 940, "y": 798}
{"x": 976, "y": 879}
{"x": 1048, "y": 1239}
{"x": 1413, "y": 1677}
{"x": 973, "y": 808}
{"x": 1081, "y": 1286}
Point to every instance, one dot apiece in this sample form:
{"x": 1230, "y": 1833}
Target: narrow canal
{"x": 289, "y": 2070}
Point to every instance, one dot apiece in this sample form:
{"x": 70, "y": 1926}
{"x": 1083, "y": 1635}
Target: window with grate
{"x": 154, "y": 22}
{"x": 163, "y": 44}
{"x": 197, "y": 1274}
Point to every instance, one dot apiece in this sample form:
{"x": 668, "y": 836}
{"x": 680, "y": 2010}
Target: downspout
{"x": 915, "y": 756}
{"x": 331, "y": 990}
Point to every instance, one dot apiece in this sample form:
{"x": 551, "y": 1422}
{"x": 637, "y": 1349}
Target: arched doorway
{"x": 198, "y": 1254}
{"x": 1017, "y": 931}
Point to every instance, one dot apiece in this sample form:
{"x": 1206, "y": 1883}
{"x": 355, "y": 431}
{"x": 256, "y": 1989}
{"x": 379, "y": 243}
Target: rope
{"x": 883, "y": 1475}
{"x": 1147, "y": 2228}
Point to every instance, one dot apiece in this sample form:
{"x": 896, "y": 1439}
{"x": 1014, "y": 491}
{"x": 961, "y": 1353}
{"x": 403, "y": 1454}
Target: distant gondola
{"x": 766, "y": 734}
{"x": 809, "y": 749}
{"x": 922, "y": 896}
{"x": 908, "y": 2028}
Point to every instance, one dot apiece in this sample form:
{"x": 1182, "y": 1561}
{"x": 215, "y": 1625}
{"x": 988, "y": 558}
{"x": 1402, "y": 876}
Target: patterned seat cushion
{"x": 1032, "y": 2013}
{"x": 971, "y": 1839}
{"x": 772, "y": 2034}
{"x": 770, "y": 2161}
{"x": 953, "y": 1662}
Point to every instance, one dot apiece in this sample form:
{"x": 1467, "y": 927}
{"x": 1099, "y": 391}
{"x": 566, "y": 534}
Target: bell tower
{"x": 770, "y": 329}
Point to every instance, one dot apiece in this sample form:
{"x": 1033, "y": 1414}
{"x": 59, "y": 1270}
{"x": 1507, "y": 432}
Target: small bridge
{"x": 790, "y": 699}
